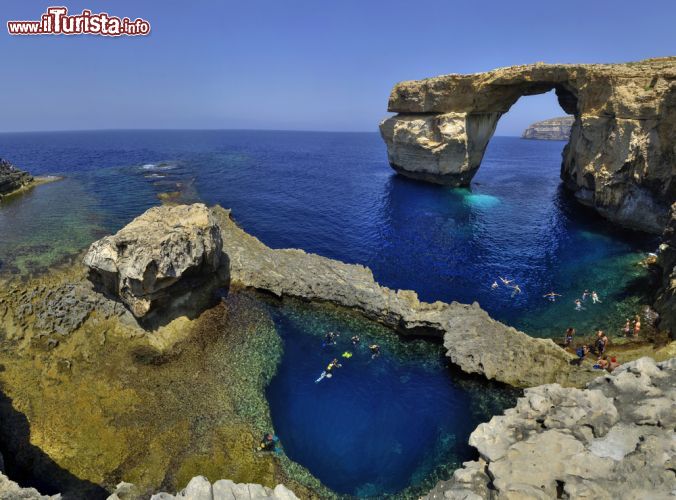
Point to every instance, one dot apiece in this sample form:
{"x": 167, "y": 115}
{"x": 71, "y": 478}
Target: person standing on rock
{"x": 570, "y": 333}
{"x": 637, "y": 326}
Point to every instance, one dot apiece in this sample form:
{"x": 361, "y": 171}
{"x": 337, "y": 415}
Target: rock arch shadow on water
{"x": 396, "y": 423}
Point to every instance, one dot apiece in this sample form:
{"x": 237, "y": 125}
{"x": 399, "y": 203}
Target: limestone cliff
{"x": 554, "y": 129}
{"x": 665, "y": 301}
{"x": 620, "y": 159}
{"x": 614, "y": 439}
{"x": 11, "y": 178}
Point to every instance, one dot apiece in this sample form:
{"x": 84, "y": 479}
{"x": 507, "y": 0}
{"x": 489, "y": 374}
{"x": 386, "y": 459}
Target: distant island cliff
{"x": 554, "y": 129}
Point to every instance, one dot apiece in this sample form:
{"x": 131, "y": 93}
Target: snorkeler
{"x": 516, "y": 290}
{"x": 327, "y": 373}
{"x": 552, "y": 296}
{"x": 375, "y": 350}
{"x": 268, "y": 443}
{"x": 505, "y": 281}
{"x": 595, "y": 298}
{"x": 330, "y": 338}
{"x": 355, "y": 339}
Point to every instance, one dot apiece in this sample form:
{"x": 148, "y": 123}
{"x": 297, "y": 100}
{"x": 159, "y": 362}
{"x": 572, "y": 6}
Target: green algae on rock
{"x": 108, "y": 401}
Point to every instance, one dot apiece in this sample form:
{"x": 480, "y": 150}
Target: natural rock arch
{"x": 620, "y": 158}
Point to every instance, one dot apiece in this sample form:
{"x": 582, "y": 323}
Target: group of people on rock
{"x": 632, "y": 328}
{"x": 598, "y": 348}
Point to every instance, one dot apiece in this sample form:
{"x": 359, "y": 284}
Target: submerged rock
{"x": 554, "y": 129}
{"x": 620, "y": 159}
{"x": 614, "y": 439}
{"x": 164, "y": 251}
{"x": 11, "y": 178}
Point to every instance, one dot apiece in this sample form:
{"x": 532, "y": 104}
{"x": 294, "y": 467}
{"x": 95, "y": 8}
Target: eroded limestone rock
{"x": 614, "y": 439}
{"x": 9, "y": 490}
{"x": 666, "y": 294}
{"x": 162, "y": 252}
{"x": 620, "y": 159}
{"x": 553, "y": 129}
{"x": 199, "y": 488}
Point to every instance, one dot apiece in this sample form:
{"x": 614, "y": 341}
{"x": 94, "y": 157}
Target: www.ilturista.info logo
{"x": 56, "y": 21}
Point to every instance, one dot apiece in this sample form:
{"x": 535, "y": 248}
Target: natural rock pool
{"x": 378, "y": 425}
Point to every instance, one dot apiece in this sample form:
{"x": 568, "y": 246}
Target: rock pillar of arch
{"x": 621, "y": 158}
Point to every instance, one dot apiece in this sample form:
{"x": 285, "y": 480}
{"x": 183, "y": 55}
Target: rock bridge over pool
{"x": 620, "y": 158}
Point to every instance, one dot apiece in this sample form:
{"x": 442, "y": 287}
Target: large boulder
{"x": 163, "y": 252}
{"x": 620, "y": 159}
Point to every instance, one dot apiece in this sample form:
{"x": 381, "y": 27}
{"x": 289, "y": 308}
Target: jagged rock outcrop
{"x": 9, "y": 490}
{"x": 554, "y": 129}
{"x": 666, "y": 295}
{"x": 199, "y": 488}
{"x": 614, "y": 439}
{"x": 474, "y": 341}
{"x": 11, "y": 178}
{"x": 157, "y": 255}
{"x": 620, "y": 159}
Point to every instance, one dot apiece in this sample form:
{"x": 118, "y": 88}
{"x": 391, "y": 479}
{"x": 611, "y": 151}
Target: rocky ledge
{"x": 554, "y": 129}
{"x": 199, "y": 488}
{"x": 614, "y": 439}
{"x": 12, "y": 179}
{"x": 620, "y": 159}
{"x": 152, "y": 255}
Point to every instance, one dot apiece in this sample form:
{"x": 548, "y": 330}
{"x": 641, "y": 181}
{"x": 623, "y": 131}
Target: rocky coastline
{"x": 553, "y": 129}
{"x": 619, "y": 159}
{"x": 613, "y": 439}
{"x": 12, "y": 179}
{"x": 149, "y": 291}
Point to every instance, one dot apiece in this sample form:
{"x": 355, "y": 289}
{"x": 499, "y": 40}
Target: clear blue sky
{"x": 309, "y": 65}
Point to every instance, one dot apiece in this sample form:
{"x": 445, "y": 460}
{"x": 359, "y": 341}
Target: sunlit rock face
{"x": 614, "y": 439}
{"x": 620, "y": 159}
{"x": 163, "y": 251}
{"x": 553, "y": 129}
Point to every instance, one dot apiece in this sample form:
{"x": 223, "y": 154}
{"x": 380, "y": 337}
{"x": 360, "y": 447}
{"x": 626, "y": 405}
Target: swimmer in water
{"x": 494, "y": 285}
{"x": 505, "y": 281}
{"x": 330, "y": 338}
{"x": 585, "y": 295}
{"x": 375, "y": 351}
{"x": 552, "y": 296}
{"x": 578, "y": 305}
{"x": 355, "y": 339}
{"x": 595, "y": 298}
{"x": 516, "y": 290}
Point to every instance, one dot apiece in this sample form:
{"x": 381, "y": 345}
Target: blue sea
{"x": 334, "y": 194}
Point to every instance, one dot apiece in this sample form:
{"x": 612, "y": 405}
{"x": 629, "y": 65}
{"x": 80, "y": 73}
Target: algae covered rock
{"x": 11, "y": 178}
{"x": 163, "y": 251}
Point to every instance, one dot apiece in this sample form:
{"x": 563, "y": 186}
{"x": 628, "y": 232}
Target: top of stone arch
{"x": 627, "y": 89}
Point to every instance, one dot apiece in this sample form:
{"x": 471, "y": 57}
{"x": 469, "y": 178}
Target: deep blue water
{"x": 379, "y": 426}
{"x": 334, "y": 194}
